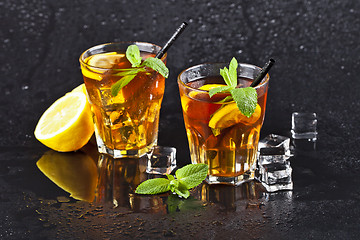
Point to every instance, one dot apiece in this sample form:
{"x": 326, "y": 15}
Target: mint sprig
{"x": 133, "y": 56}
{"x": 186, "y": 178}
{"x": 245, "y": 98}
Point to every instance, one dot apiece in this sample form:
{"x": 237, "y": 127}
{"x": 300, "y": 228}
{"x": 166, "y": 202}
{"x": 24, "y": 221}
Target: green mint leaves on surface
{"x": 186, "y": 178}
{"x": 245, "y": 98}
{"x": 133, "y": 56}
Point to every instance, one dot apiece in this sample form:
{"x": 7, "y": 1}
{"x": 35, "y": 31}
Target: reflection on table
{"x": 106, "y": 180}
{"x": 227, "y": 196}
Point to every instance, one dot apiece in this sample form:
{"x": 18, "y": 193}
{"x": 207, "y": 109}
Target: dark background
{"x": 316, "y": 48}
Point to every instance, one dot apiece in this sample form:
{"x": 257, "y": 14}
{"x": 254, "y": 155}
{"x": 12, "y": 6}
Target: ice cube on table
{"x": 162, "y": 161}
{"x": 303, "y": 125}
{"x": 276, "y": 175}
{"x": 274, "y": 168}
{"x": 274, "y": 145}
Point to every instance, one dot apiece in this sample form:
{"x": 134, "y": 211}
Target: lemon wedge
{"x": 99, "y": 63}
{"x": 208, "y": 87}
{"x": 230, "y": 115}
{"x": 67, "y": 124}
{"x": 205, "y": 87}
{"x": 75, "y": 173}
{"x": 81, "y": 88}
{"x": 105, "y": 60}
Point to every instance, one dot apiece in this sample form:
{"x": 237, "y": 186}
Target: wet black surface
{"x": 316, "y": 45}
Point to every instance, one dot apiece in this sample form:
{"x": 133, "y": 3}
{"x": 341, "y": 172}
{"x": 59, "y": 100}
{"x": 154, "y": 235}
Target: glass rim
{"x": 262, "y": 84}
{"x": 114, "y": 43}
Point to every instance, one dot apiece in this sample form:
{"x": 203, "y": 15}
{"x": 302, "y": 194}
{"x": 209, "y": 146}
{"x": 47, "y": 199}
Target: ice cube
{"x": 274, "y": 145}
{"x": 303, "y": 126}
{"x": 162, "y": 161}
{"x": 275, "y": 173}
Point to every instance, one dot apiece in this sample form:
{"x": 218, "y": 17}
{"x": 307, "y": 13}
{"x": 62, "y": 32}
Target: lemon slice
{"x": 205, "y": 87}
{"x": 81, "y": 88}
{"x": 230, "y": 115}
{"x": 99, "y": 61}
{"x": 105, "y": 60}
{"x": 208, "y": 87}
{"x": 67, "y": 124}
{"x": 75, "y": 173}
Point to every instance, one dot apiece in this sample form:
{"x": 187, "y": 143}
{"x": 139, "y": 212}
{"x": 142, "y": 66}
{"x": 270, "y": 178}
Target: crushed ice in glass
{"x": 303, "y": 126}
{"x": 162, "y": 161}
{"x": 274, "y": 166}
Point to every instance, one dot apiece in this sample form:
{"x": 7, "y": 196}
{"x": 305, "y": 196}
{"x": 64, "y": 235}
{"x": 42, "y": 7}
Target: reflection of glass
{"x": 126, "y": 124}
{"x": 74, "y": 172}
{"x": 229, "y": 149}
{"x": 227, "y": 196}
{"x": 118, "y": 179}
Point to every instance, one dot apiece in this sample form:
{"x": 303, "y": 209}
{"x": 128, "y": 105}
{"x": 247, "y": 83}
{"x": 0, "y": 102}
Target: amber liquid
{"x": 233, "y": 151}
{"x": 130, "y": 120}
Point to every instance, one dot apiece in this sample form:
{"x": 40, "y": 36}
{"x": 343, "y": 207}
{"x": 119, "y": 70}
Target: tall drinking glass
{"x": 126, "y": 125}
{"x": 218, "y": 134}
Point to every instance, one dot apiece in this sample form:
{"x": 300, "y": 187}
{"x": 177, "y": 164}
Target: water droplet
{"x": 63, "y": 199}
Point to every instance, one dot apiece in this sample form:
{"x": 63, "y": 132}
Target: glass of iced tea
{"x": 218, "y": 134}
{"x": 126, "y": 125}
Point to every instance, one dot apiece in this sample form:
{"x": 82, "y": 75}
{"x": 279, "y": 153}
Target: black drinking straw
{"x": 263, "y": 72}
{"x": 176, "y": 34}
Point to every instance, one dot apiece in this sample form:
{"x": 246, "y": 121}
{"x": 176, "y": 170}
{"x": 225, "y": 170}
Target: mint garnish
{"x": 157, "y": 65}
{"x": 245, "y": 98}
{"x": 186, "y": 178}
{"x": 133, "y": 56}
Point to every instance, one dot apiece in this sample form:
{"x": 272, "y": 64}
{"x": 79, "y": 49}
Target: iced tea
{"x": 229, "y": 151}
{"x": 127, "y": 124}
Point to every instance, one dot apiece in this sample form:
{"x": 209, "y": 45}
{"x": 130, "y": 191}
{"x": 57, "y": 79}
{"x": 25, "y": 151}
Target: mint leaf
{"x": 233, "y": 73}
{"x": 170, "y": 177}
{"x": 192, "y": 175}
{"x": 116, "y": 87}
{"x": 182, "y": 190}
{"x": 216, "y": 90}
{"x": 133, "y": 55}
{"x": 153, "y": 186}
{"x": 227, "y": 99}
{"x": 179, "y": 188}
{"x": 130, "y": 71}
{"x": 226, "y": 75}
{"x": 187, "y": 177}
{"x": 246, "y": 99}
{"x": 157, "y": 65}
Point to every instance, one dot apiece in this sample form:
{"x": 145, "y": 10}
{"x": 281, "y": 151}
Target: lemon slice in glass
{"x": 205, "y": 87}
{"x": 230, "y": 115}
{"x": 99, "y": 63}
